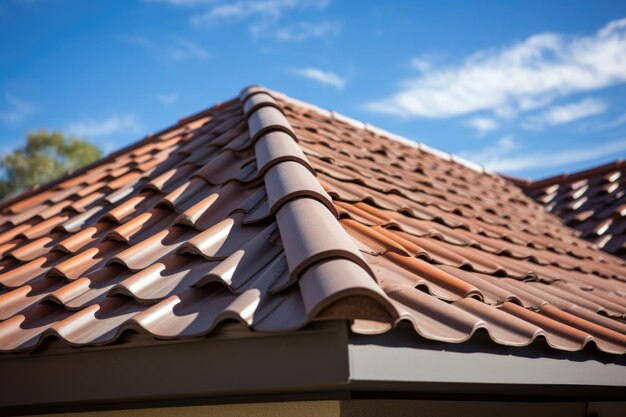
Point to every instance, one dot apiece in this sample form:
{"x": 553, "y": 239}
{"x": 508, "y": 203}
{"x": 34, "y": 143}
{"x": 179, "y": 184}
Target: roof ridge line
{"x": 574, "y": 176}
{"x": 74, "y": 173}
{"x": 385, "y": 133}
{"x": 106, "y": 158}
{"x": 295, "y": 196}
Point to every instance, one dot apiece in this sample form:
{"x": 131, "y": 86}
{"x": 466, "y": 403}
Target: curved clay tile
{"x": 144, "y": 253}
{"x": 321, "y": 289}
{"x": 266, "y": 119}
{"x": 289, "y": 180}
{"x": 258, "y": 100}
{"x": 244, "y": 264}
{"x": 163, "y": 278}
{"x": 249, "y": 91}
{"x": 35, "y": 248}
{"x": 227, "y": 166}
{"x": 188, "y": 194}
{"x": 221, "y": 239}
{"x": 96, "y": 286}
{"x": 275, "y": 147}
{"x": 502, "y": 327}
{"x": 314, "y": 235}
{"x": 96, "y": 324}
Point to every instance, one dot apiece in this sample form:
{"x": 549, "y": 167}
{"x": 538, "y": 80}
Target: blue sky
{"x": 527, "y": 88}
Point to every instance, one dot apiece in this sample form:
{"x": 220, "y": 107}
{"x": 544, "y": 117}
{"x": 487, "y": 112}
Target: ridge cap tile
{"x": 266, "y": 119}
{"x": 311, "y": 234}
{"x": 258, "y": 100}
{"x": 251, "y": 90}
{"x": 288, "y": 180}
{"x": 275, "y": 147}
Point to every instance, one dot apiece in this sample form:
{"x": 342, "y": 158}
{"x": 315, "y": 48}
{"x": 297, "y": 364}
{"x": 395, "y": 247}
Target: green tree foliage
{"x": 45, "y": 157}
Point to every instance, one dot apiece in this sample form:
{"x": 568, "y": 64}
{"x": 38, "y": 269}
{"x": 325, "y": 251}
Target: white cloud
{"x": 566, "y": 113}
{"x": 187, "y": 49}
{"x": 18, "y": 110}
{"x": 170, "y": 98}
{"x": 111, "y": 125}
{"x": 522, "y": 77}
{"x": 265, "y": 17}
{"x": 265, "y": 9}
{"x": 180, "y": 50}
{"x": 139, "y": 41}
{"x": 303, "y": 31}
{"x": 504, "y": 156}
{"x": 182, "y": 2}
{"x": 493, "y": 152}
{"x": 421, "y": 64}
{"x": 573, "y": 111}
{"x": 482, "y": 124}
{"x": 614, "y": 123}
{"x": 322, "y": 77}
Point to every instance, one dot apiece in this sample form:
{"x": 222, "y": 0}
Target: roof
{"x": 592, "y": 201}
{"x": 269, "y": 212}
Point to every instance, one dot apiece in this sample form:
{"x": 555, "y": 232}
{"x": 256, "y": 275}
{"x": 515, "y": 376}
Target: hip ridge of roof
{"x": 317, "y": 247}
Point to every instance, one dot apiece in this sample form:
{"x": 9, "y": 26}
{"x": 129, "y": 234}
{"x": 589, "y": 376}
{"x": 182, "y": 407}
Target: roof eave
{"x": 323, "y": 361}
{"x": 476, "y": 369}
{"x": 192, "y": 371}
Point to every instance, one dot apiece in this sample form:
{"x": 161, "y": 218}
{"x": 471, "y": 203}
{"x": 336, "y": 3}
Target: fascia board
{"x": 313, "y": 360}
{"x": 395, "y": 362}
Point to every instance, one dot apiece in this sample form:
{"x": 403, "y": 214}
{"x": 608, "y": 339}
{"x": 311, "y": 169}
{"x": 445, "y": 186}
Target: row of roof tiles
{"x": 271, "y": 213}
{"x": 592, "y": 201}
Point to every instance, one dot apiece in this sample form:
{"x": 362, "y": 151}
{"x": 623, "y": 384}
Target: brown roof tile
{"x": 592, "y": 201}
{"x": 273, "y": 213}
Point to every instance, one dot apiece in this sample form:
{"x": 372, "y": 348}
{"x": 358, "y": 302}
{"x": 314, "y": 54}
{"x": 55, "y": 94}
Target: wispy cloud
{"x": 566, "y": 113}
{"x": 264, "y": 9}
{"x": 266, "y": 18}
{"x": 483, "y": 125}
{"x": 493, "y": 152}
{"x": 111, "y": 125}
{"x": 170, "y": 98}
{"x": 573, "y": 111}
{"x": 505, "y": 155}
{"x": 17, "y": 111}
{"x": 518, "y": 78}
{"x": 26, "y": 2}
{"x": 320, "y": 76}
{"x": 421, "y": 64}
{"x": 182, "y": 2}
{"x": 180, "y": 50}
{"x": 613, "y": 123}
{"x": 139, "y": 41}
{"x": 185, "y": 48}
{"x": 303, "y": 31}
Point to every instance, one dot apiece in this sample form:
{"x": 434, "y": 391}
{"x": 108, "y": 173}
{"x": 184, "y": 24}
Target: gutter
{"x": 322, "y": 361}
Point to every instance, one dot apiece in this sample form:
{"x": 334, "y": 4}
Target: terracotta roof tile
{"x": 592, "y": 201}
{"x": 273, "y": 213}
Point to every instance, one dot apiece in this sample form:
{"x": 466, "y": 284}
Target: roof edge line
{"x": 385, "y": 133}
{"x": 575, "y": 176}
{"x": 73, "y": 174}
{"x": 81, "y": 170}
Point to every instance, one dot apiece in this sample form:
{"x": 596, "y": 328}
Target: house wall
{"x": 296, "y": 408}
{"x": 377, "y": 408}
{"x": 412, "y": 408}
